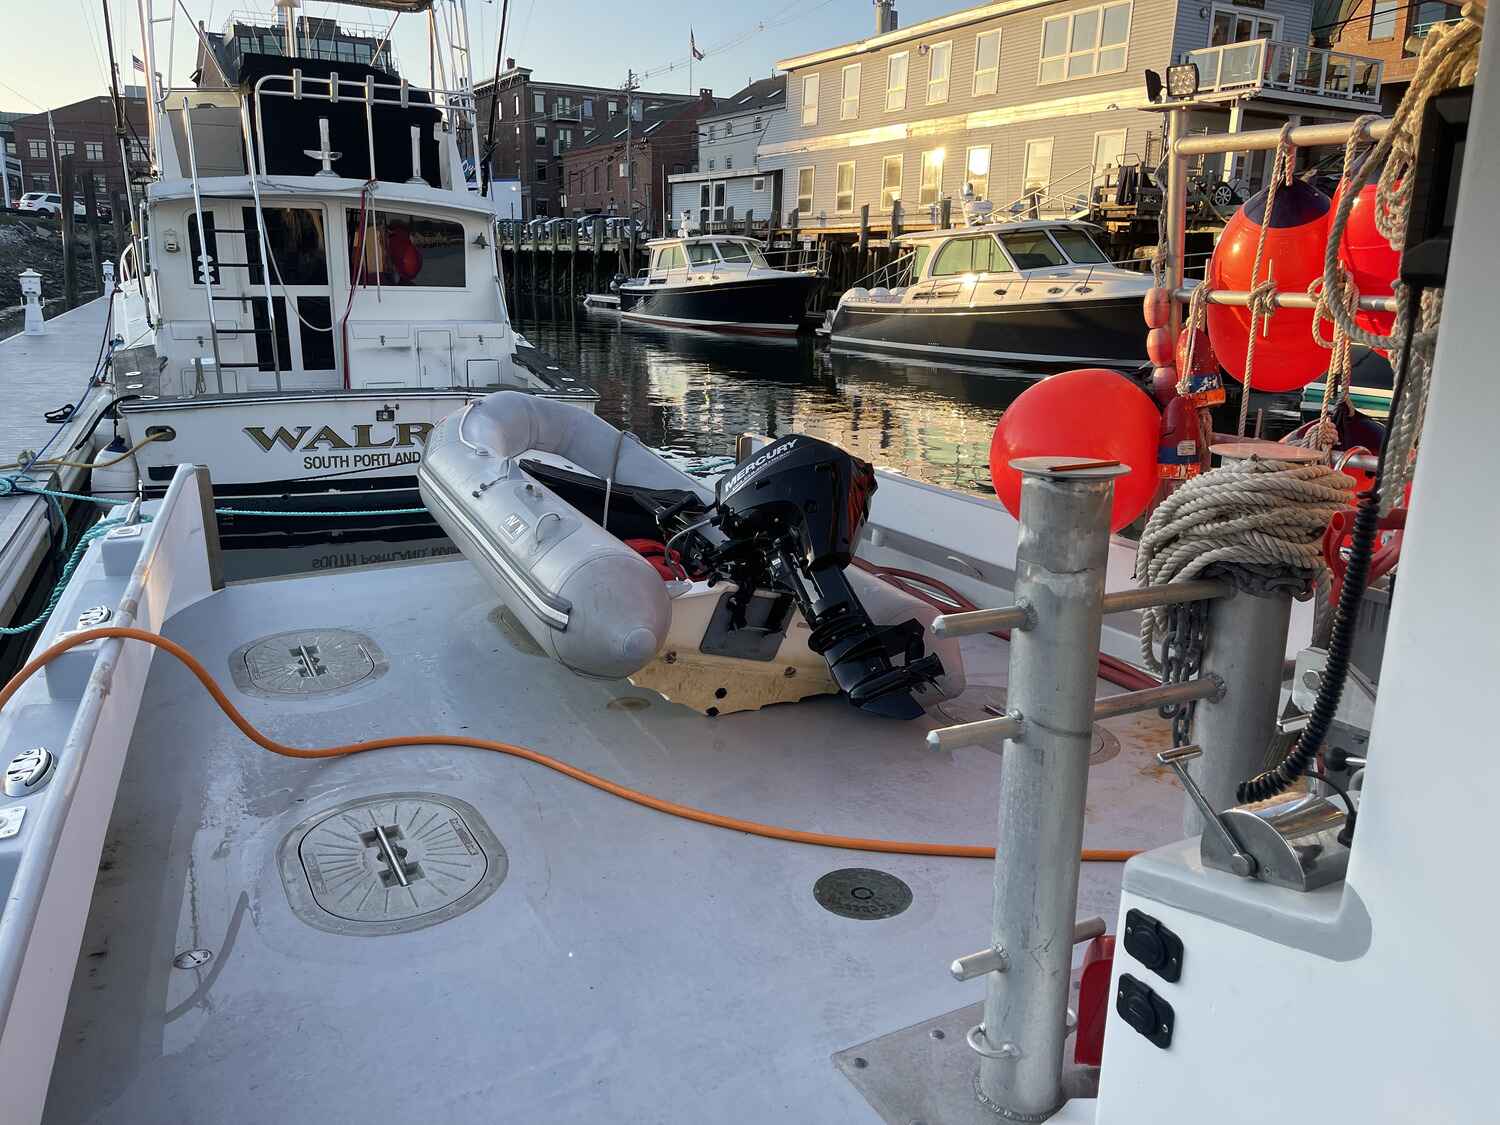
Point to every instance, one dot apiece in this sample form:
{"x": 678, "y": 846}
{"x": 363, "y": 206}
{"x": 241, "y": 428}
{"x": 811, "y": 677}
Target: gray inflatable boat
{"x": 615, "y": 562}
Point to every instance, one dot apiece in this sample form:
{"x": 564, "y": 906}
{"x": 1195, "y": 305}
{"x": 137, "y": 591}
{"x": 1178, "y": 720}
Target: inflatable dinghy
{"x": 618, "y": 564}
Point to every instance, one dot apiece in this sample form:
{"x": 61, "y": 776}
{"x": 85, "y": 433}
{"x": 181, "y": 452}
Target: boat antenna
{"x": 489, "y": 135}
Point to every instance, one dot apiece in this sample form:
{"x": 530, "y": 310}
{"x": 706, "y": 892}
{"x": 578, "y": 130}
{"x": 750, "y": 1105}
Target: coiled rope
{"x": 1245, "y": 513}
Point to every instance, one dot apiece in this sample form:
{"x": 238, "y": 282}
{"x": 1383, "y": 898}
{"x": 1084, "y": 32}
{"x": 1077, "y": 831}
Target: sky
{"x": 56, "y": 53}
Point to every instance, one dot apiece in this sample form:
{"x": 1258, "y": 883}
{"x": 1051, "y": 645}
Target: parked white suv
{"x": 49, "y": 203}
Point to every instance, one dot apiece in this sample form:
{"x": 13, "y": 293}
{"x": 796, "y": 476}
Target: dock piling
{"x": 65, "y": 220}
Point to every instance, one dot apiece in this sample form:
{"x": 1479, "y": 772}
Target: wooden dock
{"x": 40, "y": 374}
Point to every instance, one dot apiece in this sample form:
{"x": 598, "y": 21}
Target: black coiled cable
{"x": 1280, "y": 777}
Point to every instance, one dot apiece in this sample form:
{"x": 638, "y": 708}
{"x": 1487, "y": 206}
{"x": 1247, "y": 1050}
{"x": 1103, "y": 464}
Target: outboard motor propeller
{"x": 789, "y": 517}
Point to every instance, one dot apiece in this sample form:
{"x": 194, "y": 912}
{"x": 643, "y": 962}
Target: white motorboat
{"x": 312, "y": 384}
{"x": 1023, "y": 292}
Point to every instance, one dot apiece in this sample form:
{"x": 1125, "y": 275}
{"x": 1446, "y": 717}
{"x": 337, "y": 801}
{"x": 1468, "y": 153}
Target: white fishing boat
{"x": 312, "y": 382}
{"x": 265, "y": 855}
{"x": 1025, "y": 291}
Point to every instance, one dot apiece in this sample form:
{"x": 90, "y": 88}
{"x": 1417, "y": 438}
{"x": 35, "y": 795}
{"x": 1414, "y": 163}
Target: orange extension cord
{"x": 671, "y": 808}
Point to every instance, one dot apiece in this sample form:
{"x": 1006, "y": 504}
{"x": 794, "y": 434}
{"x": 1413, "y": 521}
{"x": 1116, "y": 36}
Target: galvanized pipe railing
{"x": 973, "y": 622}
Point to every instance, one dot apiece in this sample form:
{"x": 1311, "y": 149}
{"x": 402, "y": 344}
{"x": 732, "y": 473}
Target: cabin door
{"x": 306, "y": 337}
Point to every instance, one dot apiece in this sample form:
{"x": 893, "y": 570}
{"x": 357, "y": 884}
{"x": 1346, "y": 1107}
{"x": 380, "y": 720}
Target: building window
{"x": 932, "y": 177}
{"x": 1037, "y": 175}
{"x": 711, "y": 164}
{"x": 38, "y": 150}
{"x": 939, "y": 65}
{"x": 977, "y": 171}
{"x": 40, "y": 181}
{"x": 596, "y": 177}
{"x": 541, "y": 169}
{"x": 890, "y": 182}
{"x": 541, "y": 135}
{"x": 539, "y": 103}
{"x": 588, "y": 108}
{"x": 635, "y": 110}
{"x": 986, "y": 63}
{"x": 758, "y": 123}
{"x": 843, "y": 198}
{"x": 729, "y": 128}
{"x": 93, "y": 150}
{"x": 849, "y": 93}
{"x": 758, "y": 184}
{"x": 729, "y": 162}
{"x": 564, "y": 139}
{"x": 895, "y": 80}
{"x": 101, "y": 185}
{"x": 713, "y": 132}
{"x": 1383, "y": 19}
{"x": 137, "y": 152}
{"x": 65, "y": 148}
{"x": 809, "y": 100}
{"x": 1086, "y": 42}
{"x": 719, "y": 190}
{"x": 804, "y": 190}
{"x": 612, "y": 106}
{"x": 518, "y": 105}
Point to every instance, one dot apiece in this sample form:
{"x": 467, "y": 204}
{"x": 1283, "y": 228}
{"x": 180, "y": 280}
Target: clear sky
{"x": 52, "y": 53}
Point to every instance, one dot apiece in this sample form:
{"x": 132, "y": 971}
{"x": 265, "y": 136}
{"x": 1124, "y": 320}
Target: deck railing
{"x": 1269, "y": 64}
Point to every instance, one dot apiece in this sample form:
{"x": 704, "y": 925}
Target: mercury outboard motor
{"x": 787, "y": 520}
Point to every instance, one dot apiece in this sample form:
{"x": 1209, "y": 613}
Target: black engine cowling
{"x": 788, "y": 518}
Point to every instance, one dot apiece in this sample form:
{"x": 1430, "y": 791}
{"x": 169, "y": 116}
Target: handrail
{"x": 1283, "y": 65}
{"x": 265, "y": 249}
{"x": 201, "y": 266}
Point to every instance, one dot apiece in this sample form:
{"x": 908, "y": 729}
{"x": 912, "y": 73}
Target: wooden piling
{"x": 749, "y": 221}
{"x": 65, "y": 221}
{"x": 895, "y": 218}
{"x": 552, "y": 266}
{"x": 96, "y": 256}
{"x": 598, "y": 230}
{"x": 945, "y": 213}
{"x": 573, "y": 270}
{"x": 860, "y": 266}
{"x": 121, "y": 223}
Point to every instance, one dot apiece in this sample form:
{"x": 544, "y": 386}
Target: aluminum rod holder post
{"x": 1060, "y": 564}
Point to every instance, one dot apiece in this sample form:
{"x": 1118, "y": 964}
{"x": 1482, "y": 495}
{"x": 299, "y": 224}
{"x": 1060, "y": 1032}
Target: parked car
{"x": 49, "y": 203}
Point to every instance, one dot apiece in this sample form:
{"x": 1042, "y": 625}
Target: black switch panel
{"x": 1153, "y": 945}
{"x": 1145, "y": 1011}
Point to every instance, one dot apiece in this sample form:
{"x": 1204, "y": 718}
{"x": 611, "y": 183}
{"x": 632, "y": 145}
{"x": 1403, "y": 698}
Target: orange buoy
{"x": 1368, "y": 257}
{"x": 1093, "y": 414}
{"x": 1205, "y": 385}
{"x": 1158, "y": 307}
{"x": 1164, "y": 384}
{"x": 1286, "y": 356}
{"x": 1159, "y": 347}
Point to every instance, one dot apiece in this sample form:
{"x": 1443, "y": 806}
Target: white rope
{"x": 1252, "y": 512}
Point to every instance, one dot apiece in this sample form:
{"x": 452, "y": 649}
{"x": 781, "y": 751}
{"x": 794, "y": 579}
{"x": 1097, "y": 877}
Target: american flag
{"x": 693, "y": 46}
{"x": 137, "y": 64}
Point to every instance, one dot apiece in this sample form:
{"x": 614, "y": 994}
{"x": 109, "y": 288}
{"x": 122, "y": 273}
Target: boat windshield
{"x": 1032, "y": 250}
{"x": 1079, "y": 246}
{"x": 702, "y": 254}
{"x": 742, "y": 253}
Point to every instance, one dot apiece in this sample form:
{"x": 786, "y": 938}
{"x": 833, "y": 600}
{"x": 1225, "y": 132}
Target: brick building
{"x": 1389, "y": 30}
{"x": 537, "y": 122}
{"x": 663, "y": 143}
{"x": 86, "y": 131}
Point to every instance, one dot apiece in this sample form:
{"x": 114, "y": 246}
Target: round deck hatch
{"x": 306, "y": 662}
{"x": 862, "y": 892}
{"x": 390, "y": 864}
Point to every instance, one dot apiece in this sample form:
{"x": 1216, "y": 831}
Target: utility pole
{"x": 631, "y": 85}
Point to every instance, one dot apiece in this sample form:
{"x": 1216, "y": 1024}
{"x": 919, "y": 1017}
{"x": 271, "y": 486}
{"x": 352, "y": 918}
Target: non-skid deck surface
{"x": 631, "y": 967}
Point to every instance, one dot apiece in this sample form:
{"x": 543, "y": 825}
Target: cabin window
{"x": 702, "y": 254}
{"x": 195, "y": 249}
{"x": 297, "y": 241}
{"x": 669, "y": 258}
{"x": 1032, "y": 249}
{"x": 890, "y": 182}
{"x": 849, "y": 93}
{"x": 408, "y": 250}
{"x": 895, "y": 80}
{"x": 1083, "y": 43}
{"x": 809, "y": 101}
{"x": 977, "y": 171}
{"x": 939, "y": 65}
{"x": 919, "y": 260}
{"x": 932, "y": 177}
{"x": 1079, "y": 246}
{"x": 804, "y": 190}
{"x": 986, "y": 63}
{"x": 843, "y": 199}
{"x": 978, "y": 254}
{"x": 736, "y": 252}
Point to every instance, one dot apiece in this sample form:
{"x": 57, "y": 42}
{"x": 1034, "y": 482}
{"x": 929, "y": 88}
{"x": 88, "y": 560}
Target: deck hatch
{"x": 390, "y": 864}
{"x": 306, "y": 662}
{"x": 862, "y": 892}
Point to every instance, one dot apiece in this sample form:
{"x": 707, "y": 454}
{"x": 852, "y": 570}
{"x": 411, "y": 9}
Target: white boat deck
{"x": 630, "y": 967}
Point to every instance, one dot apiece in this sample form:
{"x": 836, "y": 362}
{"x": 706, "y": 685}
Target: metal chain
{"x": 1181, "y": 659}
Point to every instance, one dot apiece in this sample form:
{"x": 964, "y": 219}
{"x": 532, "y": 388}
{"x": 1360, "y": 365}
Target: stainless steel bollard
{"x": 1060, "y": 563}
{"x": 1244, "y": 647}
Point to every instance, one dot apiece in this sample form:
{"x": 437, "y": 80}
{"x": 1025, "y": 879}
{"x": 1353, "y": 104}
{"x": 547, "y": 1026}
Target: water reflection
{"x": 693, "y": 393}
